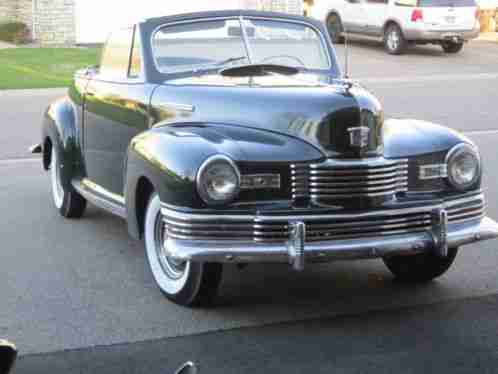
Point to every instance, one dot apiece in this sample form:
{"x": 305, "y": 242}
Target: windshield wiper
{"x": 258, "y": 70}
{"x": 230, "y": 60}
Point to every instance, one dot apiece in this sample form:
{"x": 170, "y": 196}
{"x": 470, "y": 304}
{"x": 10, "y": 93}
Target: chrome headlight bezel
{"x": 202, "y": 184}
{"x": 451, "y": 157}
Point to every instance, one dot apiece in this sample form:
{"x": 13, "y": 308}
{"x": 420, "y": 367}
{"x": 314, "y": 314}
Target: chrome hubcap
{"x": 174, "y": 269}
{"x": 393, "y": 40}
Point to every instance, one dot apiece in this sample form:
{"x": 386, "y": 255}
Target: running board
{"x": 100, "y": 197}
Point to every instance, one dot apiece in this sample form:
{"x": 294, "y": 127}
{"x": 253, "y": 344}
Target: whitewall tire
{"x": 184, "y": 282}
{"x": 68, "y": 202}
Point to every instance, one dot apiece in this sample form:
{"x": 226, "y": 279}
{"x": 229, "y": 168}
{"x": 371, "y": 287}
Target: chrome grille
{"x": 319, "y": 227}
{"x": 459, "y": 211}
{"x": 343, "y": 179}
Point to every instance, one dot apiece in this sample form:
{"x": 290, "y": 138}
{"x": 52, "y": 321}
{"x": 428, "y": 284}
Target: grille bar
{"x": 343, "y": 179}
{"x": 322, "y": 227}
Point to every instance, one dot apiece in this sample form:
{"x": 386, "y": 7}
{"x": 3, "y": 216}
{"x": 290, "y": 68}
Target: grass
{"x": 22, "y": 68}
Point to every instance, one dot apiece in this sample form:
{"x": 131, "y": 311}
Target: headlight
{"x": 218, "y": 180}
{"x": 464, "y": 166}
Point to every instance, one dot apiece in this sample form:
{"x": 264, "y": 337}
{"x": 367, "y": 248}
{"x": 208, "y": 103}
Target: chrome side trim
{"x": 101, "y": 197}
{"x": 177, "y": 106}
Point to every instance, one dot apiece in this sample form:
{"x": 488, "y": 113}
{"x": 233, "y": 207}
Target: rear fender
{"x": 61, "y": 130}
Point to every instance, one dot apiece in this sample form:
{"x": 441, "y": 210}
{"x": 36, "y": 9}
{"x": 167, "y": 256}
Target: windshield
{"x": 223, "y": 43}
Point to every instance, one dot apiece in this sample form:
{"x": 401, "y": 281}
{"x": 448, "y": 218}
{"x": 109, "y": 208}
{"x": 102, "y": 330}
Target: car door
{"x": 353, "y": 17}
{"x": 116, "y": 110}
{"x": 376, "y": 13}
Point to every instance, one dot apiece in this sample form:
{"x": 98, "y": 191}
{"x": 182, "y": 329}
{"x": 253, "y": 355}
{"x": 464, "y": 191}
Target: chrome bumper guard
{"x": 297, "y": 251}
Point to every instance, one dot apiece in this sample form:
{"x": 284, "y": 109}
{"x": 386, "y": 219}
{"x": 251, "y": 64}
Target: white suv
{"x": 401, "y": 22}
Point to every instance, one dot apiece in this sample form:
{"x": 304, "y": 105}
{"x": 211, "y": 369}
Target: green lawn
{"x": 42, "y": 67}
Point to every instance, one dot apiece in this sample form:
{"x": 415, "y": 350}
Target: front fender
{"x": 169, "y": 157}
{"x": 405, "y": 138}
{"x": 60, "y": 127}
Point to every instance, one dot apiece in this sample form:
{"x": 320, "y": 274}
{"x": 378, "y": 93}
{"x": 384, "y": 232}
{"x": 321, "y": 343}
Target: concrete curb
{"x": 33, "y": 92}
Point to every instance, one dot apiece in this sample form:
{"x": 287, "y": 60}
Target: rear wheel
{"x": 186, "y": 283}
{"x": 334, "y": 26}
{"x": 452, "y": 47}
{"x": 68, "y": 202}
{"x": 394, "y": 41}
{"x": 422, "y": 267}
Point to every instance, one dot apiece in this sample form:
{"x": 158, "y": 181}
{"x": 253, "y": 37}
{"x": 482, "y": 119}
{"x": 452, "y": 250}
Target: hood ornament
{"x": 358, "y": 136}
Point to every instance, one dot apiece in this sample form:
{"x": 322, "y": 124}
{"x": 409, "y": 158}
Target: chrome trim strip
{"x": 426, "y": 172}
{"x": 379, "y": 162}
{"x": 274, "y": 180}
{"x": 102, "y": 191}
{"x": 101, "y": 197}
{"x": 177, "y": 106}
{"x": 169, "y": 210}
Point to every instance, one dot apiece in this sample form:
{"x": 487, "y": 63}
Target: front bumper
{"x": 448, "y": 226}
{"x": 423, "y": 34}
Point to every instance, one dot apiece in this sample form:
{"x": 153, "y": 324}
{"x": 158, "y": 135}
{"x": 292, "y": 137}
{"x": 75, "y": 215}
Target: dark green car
{"x": 231, "y": 137}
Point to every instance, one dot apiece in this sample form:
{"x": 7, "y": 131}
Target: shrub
{"x": 14, "y": 32}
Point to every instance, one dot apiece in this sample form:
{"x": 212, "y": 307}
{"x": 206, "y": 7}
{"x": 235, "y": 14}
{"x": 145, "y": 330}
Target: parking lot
{"x": 78, "y": 284}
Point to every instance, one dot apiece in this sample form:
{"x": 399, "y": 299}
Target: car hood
{"x": 310, "y": 107}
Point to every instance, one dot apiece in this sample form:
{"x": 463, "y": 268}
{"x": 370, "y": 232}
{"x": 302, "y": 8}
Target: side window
{"x": 136, "y": 60}
{"x": 116, "y": 54}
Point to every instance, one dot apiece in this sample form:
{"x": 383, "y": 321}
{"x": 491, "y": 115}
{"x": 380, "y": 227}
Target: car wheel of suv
{"x": 334, "y": 26}
{"x": 394, "y": 40}
{"x": 68, "y": 202}
{"x": 186, "y": 283}
{"x": 451, "y": 47}
{"x": 421, "y": 267}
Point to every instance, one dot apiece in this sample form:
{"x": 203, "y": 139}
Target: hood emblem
{"x": 358, "y": 136}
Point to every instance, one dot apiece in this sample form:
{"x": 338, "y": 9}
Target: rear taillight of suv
{"x": 477, "y": 13}
{"x": 417, "y": 15}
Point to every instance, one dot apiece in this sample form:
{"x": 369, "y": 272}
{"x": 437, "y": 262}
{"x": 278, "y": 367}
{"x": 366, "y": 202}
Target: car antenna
{"x": 346, "y": 54}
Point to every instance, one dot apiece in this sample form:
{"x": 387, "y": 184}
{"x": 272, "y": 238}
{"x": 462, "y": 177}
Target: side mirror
{"x": 186, "y": 368}
{"x": 8, "y": 355}
{"x": 92, "y": 70}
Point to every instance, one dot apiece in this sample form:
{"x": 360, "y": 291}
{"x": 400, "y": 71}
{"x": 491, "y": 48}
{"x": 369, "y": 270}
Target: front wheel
{"x": 452, "y": 47}
{"x": 186, "y": 283}
{"x": 421, "y": 267}
{"x": 394, "y": 41}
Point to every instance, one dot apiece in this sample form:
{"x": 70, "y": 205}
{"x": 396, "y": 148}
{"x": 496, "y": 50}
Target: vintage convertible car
{"x": 231, "y": 137}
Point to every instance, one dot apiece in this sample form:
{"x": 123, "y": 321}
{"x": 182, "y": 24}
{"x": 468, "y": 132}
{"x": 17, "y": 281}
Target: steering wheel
{"x": 297, "y": 59}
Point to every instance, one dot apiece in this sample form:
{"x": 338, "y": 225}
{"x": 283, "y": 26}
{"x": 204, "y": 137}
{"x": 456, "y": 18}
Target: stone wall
{"x": 54, "y": 22}
{"x": 8, "y": 10}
